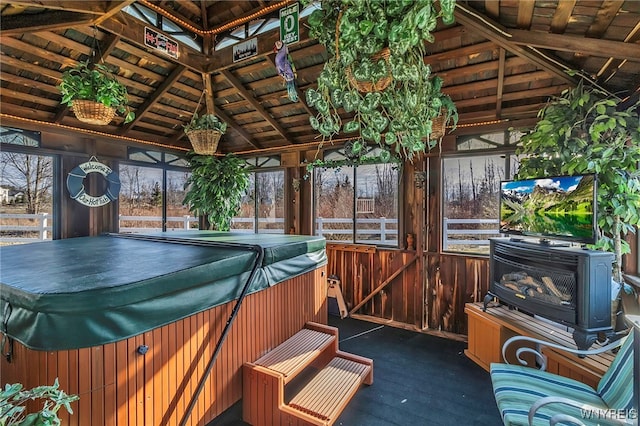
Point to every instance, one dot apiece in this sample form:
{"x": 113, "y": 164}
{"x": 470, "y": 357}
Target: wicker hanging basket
{"x": 204, "y": 142}
{"x": 366, "y": 86}
{"x": 91, "y": 112}
{"x": 438, "y": 127}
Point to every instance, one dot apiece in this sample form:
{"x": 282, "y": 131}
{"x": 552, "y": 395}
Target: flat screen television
{"x": 551, "y": 208}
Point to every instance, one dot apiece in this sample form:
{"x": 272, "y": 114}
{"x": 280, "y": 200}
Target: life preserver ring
{"x": 76, "y": 189}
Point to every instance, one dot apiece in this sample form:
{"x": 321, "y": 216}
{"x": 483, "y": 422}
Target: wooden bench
{"x": 306, "y": 380}
{"x": 489, "y": 330}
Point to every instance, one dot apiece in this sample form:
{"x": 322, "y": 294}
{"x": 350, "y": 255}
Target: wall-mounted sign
{"x": 245, "y": 50}
{"x": 75, "y": 183}
{"x": 289, "y": 28}
{"x": 160, "y": 42}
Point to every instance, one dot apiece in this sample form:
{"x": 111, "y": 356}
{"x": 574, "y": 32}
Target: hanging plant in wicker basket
{"x": 94, "y": 94}
{"x": 204, "y": 133}
{"x": 376, "y": 74}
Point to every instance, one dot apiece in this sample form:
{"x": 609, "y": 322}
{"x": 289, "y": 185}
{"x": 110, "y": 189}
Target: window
{"x": 26, "y": 189}
{"x": 262, "y": 207}
{"x": 471, "y": 187}
{"x": 151, "y": 194}
{"x": 357, "y": 204}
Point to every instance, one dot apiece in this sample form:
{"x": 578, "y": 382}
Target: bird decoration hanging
{"x": 286, "y": 69}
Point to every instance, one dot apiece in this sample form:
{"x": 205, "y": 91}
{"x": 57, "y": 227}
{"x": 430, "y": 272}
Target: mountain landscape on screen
{"x": 556, "y": 207}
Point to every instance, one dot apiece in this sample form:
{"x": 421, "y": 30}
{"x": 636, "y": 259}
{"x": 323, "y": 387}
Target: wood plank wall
{"x": 119, "y": 387}
{"x": 362, "y": 269}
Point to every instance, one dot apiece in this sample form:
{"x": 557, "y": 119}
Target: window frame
{"x": 507, "y": 150}
{"x": 255, "y": 169}
{"x": 57, "y": 191}
{"x": 354, "y": 221}
{"x": 161, "y": 164}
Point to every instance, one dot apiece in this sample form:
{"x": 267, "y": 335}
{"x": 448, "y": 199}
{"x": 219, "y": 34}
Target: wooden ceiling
{"x": 501, "y": 60}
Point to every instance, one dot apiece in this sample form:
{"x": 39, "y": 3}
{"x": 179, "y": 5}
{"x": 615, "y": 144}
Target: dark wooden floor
{"x": 419, "y": 379}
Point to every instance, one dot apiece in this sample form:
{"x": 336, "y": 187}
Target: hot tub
{"x": 130, "y": 323}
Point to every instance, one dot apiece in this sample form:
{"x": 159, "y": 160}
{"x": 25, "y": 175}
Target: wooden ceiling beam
{"x": 570, "y": 43}
{"x": 223, "y": 59}
{"x": 131, "y": 29}
{"x": 301, "y": 97}
{"x": 499, "y": 35}
{"x": 501, "y": 68}
{"x": 239, "y": 129}
{"x": 157, "y": 93}
{"x": 525, "y": 13}
{"x": 235, "y": 82}
{"x": 561, "y": 16}
{"x": 53, "y": 20}
{"x": 81, "y": 6}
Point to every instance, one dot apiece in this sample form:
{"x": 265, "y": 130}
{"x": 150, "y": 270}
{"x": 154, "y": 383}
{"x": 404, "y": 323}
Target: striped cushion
{"x": 615, "y": 386}
{"x": 517, "y": 387}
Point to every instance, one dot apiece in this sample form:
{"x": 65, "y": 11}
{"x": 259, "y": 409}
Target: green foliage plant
{"x": 95, "y": 82}
{"x": 13, "y": 411}
{"x": 206, "y": 122}
{"x": 215, "y": 188}
{"x": 585, "y": 131}
{"x": 399, "y": 116}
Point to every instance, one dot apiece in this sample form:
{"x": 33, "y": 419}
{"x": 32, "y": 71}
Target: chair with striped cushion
{"x": 528, "y": 396}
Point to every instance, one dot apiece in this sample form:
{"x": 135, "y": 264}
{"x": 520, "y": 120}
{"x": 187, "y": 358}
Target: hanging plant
{"x": 215, "y": 188}
{"x": 584, "y": 130}
{"x": 94, "y": 94}
{"x": 376, "y": 72}
{"x": 355, "y": 153}
{"x": 204, "y": 133}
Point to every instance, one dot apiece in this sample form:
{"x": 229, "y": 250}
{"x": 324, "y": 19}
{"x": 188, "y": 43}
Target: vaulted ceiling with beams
{"x": 501, "y": 61}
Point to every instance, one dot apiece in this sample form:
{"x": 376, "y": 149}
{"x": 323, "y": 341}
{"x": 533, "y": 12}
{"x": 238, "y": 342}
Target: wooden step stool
{"x": 321, "y": 378}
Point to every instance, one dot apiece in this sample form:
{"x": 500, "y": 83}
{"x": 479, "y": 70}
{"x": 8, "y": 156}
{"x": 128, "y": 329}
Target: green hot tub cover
{"x": 88, "y": 291}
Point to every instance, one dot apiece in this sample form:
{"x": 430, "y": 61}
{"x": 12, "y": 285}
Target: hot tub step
{"x": 327, "y": 379}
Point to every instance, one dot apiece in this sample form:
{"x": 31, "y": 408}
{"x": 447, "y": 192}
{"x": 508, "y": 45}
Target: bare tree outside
{"x": 29, "y": 179}
{"x": 26, "y": 195}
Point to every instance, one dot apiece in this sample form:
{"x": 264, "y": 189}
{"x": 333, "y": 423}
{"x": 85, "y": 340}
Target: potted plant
{"x": 376, "y": 73}
{"x": 204, "y": 133}
{"x": 94, "y": 94}
{"x": 585, "y": 131}
{"x": 215, "y": 188}
{"x": 13, "y": 412}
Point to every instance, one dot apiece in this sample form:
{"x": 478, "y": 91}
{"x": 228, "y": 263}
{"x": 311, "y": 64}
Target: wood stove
{"x": 568, "y": 285}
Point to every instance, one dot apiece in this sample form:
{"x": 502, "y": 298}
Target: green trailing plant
{"x": 95, "y": 82}
{"x": 215, "y": 188}
{"x": 585, "y": 131}
{"x": 13, "y": 399}
{"x": 206, "y": 122}
{"x": 355, "y": 153}
{"x": 370, "y": 42}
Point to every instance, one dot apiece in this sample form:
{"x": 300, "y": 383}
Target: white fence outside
{"x": 40, "y": 225}
{"x": 188, "y": 220}
{"x": 448, "y": 232}
{"x": 341, "y": 230}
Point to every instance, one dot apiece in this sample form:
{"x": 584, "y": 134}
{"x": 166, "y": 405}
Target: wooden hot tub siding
{"x": 118, "y": 386}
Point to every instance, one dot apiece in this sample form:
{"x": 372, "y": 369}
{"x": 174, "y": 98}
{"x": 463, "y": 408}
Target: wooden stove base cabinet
{"x": 568, "y": 285}
{"x": 150, "y": 377}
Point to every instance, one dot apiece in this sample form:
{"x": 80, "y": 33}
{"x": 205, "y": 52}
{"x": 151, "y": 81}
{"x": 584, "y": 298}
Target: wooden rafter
{"x": 525, "y": 13}
{"x": 561, "y": 16}
{"x": 158, "y": 92}
{"x": 301, "y": 97}
{"x": 570, "y": 43}
{"x": 235, "y": 126}
{"x": 235, "y": 82}
{"x": 499, "y": 94}
{"x": 499, "y": 35}
{"x": 52, "y": 20}
{"x": 132, "y": 30}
